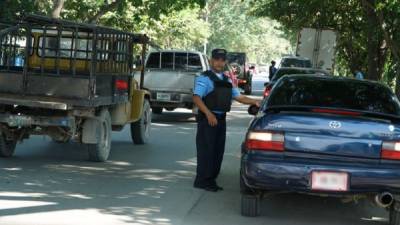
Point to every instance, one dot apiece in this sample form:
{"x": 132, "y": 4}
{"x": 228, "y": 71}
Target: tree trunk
{"x": 373, "y": 40}
{"x": 103, "y": 10}
{"x": 397, "y": 87}
{"x": 58, "y": 5}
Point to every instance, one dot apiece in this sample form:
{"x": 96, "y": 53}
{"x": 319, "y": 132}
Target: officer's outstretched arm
{"x": 248, "y": 101}
{"x": 212, "y": 120}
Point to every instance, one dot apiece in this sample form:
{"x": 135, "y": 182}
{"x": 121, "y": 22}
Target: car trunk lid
{"x": 340, "y": 135}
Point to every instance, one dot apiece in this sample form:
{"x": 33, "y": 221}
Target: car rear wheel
{"x": 394, "y": 214}
{"x": 250, "y": 206}
{"x": 7, "y": 147}
{"x": 100, "y": 152}
{"x": 140, "y": 130}
{"x": 157, "y": 110}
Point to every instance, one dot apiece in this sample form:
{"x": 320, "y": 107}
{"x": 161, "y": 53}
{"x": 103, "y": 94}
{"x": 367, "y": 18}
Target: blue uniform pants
{"x": 210, "y": 143}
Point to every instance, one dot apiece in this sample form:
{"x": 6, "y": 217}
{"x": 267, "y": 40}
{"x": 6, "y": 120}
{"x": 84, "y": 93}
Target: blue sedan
{"x": 326, "y": 136}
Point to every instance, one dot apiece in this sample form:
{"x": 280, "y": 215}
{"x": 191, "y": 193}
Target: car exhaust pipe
{"x": 384, "y": 199}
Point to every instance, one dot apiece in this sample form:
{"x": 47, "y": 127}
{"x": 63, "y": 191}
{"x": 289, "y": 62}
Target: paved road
{"x": 52, "y": 184}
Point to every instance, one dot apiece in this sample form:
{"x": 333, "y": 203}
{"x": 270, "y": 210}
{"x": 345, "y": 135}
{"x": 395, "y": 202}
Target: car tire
{"x": 394, "y": 213}
{"x": 7, "y": 148}
{"x": 250, "y": 205}
{"x": 157, "y": 110}
{"x": 140, "y": 130}
{"x": 101, "y": 151}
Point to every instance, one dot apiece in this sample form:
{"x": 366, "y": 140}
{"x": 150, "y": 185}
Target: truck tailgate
{"x": 175, "y": 81}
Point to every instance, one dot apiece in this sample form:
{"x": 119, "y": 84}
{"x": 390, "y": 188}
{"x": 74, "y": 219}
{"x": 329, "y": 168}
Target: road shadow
{"x": 132, "y": 187}
{"x": 174, "y": 117}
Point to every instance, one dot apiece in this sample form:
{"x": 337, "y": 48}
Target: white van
{"x": 170, "y": 76}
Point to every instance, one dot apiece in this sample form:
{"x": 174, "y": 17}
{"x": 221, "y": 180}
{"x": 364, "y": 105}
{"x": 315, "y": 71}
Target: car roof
{"x": 177, "y": 51}
{"x": 332, "y": 78}
{"x": 295, "y": 57}
{"x": 304, "y": 69}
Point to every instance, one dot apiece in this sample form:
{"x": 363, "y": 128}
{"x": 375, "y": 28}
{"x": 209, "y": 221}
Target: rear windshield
{"x": 174, "y": 61}
{"x": 343, "y": 94}
{"x": 282, "y": 72}
{"x": 291, "y": 62}
{"x": 238, "y": 58}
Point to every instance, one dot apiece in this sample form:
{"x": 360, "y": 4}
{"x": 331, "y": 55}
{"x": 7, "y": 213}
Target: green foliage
{"x": 11, "y": 10}
{"x": 235, "y": 29}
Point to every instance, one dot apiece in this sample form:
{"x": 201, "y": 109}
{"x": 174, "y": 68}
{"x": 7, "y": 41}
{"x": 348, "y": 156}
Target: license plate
{"x": 329, "y": 181}
{"x": 164, "y": 96}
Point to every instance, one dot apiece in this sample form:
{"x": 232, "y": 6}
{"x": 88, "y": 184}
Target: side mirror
{"x": 253, "y": 110}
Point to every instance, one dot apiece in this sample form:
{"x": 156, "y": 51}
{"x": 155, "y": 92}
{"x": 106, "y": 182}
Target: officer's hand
{"x": 212, "y": 120}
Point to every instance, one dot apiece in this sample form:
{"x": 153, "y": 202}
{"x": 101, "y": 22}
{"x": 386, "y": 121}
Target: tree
{"x": 233, "y": 28}
{"x": 361, "y": 45}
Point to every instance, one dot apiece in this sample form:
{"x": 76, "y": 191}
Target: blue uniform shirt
{"x": 203, "y": 86}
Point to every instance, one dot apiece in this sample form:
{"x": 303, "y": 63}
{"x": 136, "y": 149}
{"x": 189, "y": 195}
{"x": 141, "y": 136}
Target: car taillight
{"x": 121, "y": 85}
{"x": 267, "y": 91}
{"x": 265, "y": 141}
{"x": 338, "y": 112}
{"x": 390, "y": 150}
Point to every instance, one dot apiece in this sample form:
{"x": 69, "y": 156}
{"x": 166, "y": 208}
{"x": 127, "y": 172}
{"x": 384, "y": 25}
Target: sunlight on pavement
{"x": 16, "y": 204}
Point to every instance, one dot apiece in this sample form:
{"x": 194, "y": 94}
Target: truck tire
{"x": 157, "y": 110}
{"x": 101, "y": 151}
{"x": 394, "y": 213}
{"x": 7, "y": 148}
{"x": 250, "y": 205}
{"x": 140, "y": 130}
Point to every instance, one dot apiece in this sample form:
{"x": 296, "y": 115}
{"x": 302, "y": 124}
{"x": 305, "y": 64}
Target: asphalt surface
{"x": 52, "y": 184}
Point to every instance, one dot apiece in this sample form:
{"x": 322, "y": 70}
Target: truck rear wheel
{"x": 100, "y": 152}
{"x": 140, "y": 130}
{"x": 7, "y": 147}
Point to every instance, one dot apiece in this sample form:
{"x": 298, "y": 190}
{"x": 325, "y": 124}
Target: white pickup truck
{"x": 170, "y": 76}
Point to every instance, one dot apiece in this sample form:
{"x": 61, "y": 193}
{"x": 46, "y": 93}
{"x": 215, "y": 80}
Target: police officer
{"x": 213, "y": 95}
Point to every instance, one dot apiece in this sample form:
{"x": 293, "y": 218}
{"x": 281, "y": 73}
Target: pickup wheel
{"x": 157, "y": 110}
{"x": 140, "y": 130}
{"x": 99, "y": 152}
{"x": 394, "y": 213}
{"x": 250, "y": 205}
{"x": 7, "y": 148}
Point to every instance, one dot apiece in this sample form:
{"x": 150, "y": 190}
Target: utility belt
{"x": 201, "y": 116}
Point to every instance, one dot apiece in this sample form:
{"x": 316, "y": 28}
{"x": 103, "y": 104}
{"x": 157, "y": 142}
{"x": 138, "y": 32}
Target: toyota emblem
{"x": 335, "y": 124}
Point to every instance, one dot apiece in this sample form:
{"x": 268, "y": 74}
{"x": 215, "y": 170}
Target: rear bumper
{"x": 276, "y": 174}
{"x": 178, "y": 99}
{"x": 27, "y": 121}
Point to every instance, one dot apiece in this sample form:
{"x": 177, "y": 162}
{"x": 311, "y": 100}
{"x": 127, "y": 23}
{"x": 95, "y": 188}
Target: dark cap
{"x": 219, "y": 53}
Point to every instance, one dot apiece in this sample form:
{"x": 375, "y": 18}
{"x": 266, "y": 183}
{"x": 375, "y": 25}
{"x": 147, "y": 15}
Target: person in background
{"x": 359, "y": 75}
{"x": 272, "y": 70}
{"x": 213, "y": 95}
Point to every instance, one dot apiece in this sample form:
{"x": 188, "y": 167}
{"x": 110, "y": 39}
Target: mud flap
{"x": 91, "y": 131}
